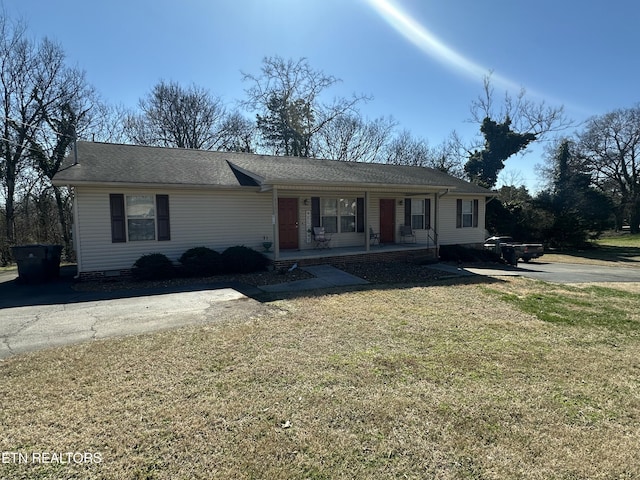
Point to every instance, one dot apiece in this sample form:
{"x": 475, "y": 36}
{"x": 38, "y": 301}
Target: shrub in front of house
{"x": 154, "y": 266}
{"x": 201, "y": 261}
{"x": 241, "y": 259}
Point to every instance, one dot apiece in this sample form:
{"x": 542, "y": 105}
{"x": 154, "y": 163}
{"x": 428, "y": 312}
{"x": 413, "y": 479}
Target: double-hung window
{"x": 348, "y": 212}
{"x": 329, "y": 214}
{"x": 139, "y": 218}
{"x": 338, "y": 215}
{"x": 466, "y": 213}
{"x": 417, "y": 213}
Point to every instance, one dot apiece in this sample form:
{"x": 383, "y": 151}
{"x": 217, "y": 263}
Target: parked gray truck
{"x": 511, "y": 251}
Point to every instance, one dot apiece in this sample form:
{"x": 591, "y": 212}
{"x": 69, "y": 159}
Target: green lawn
{"x": 491, "y": 380}
{"x": 621, "y": 249}
{"x": 627, "y": 240}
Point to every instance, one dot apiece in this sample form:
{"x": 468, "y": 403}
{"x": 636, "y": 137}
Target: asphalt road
{"x": 564, "y": 272}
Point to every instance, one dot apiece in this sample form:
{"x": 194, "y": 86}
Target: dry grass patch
{"x": 423, "y": 382}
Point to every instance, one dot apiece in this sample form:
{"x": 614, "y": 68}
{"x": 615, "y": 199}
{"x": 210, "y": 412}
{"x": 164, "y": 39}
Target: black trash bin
{"x": 37, "y": 263}
{"x": 510, "y": 255}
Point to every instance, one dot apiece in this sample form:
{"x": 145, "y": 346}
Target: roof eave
{"x": 269, "y": 184}
{"x": 190, "y": 186}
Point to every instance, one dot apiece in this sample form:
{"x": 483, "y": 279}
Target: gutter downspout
{"x": 367, "y": 240}
{"x": 75, "y": 232}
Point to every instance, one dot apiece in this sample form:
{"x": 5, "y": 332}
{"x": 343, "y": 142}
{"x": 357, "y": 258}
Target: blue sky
{"x": 423, "y": 61}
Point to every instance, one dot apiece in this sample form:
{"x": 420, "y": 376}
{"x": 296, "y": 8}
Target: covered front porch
{"x": 392, "y": 252}
{"x": 365, "y": 225}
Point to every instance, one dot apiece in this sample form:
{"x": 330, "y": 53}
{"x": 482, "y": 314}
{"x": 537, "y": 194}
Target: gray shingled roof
{"x": 104, "y": 163}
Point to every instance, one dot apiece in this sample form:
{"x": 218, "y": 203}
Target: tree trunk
{"x": 634, "y": 216}
{"x": 10, "y": 205}
{"x": 66, "y": 234}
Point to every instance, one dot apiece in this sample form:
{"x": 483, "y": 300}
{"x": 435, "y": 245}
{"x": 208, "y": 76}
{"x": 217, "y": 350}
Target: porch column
{"x": 274, "y": 221}
{"x": 367, "y": 240}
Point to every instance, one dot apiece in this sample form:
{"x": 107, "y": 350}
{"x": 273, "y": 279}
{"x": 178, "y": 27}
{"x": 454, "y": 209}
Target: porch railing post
{"x": 367, "y": 240}
{"x": 274, "y": 221}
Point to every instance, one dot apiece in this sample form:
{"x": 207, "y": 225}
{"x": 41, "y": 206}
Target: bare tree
{"x": 287, "y": 96}
{"x": 350, "y": 138}
{"x": 70, "y": 110}
{"x": 525, "y": 115}
{"x": 449, "y": 157}
{"x": 610, "y": 145}
{"x": 508, "y": 128}
{"x": 39, "y": 96}
{"x": 405, "y": 149}
{"x": 174, "y": 116}
{"x": 20, "y": 115}
{"x": 108, "y": 124}
{"x": 239, "y": 134}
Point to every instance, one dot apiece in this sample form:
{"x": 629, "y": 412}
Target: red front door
{"x": 288, "y": 223}
{"x": 387, "y": 220}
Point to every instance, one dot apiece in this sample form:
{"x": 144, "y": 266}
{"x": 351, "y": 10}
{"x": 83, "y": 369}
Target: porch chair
{"x": 321, "y": 238}
{"x": 406, "y": 232}
{"x": 374, "y": 238}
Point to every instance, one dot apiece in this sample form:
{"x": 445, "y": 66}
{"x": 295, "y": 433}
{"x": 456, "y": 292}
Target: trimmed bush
{"x": 241, "y": 259}
{"x": 154, "y": 266}
{"x": 201, "y": 262}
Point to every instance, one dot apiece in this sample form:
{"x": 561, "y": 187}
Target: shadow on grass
{"x": 608, "y": 253}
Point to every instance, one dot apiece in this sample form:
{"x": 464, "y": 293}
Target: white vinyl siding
{"x": 222, "y": 218}
{"x": 448, "y": 234}
{"x": 215, "y": 219}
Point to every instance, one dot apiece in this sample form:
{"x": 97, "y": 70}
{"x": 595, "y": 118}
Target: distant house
{"x": 133, "y": 200}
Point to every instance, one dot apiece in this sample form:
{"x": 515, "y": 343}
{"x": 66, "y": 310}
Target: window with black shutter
{"x": 467, "y": 212}
{"x": 137, "y": 218}
{"x": 162, "y": 214}
{"x": 118, "y": 218}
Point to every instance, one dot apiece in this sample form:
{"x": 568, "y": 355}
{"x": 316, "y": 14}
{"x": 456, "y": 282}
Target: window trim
{"x": 460, "y": 213}
{"x": 317, "y": 214}
{"x": 148, "y": 219}
{"x": 409, "y": 215}
{"x": 349, "y": 211}
{"x": 120, "y": 219}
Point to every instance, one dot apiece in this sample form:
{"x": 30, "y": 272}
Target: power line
{"x": 16, "y": 144}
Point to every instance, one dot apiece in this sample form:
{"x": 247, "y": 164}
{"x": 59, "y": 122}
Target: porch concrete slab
{"x": 327, "y": 276}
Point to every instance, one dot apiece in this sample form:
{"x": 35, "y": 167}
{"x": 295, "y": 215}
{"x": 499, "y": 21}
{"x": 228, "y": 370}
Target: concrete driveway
{"x": 33, "y": 317}
{"x": 29, "y": 328}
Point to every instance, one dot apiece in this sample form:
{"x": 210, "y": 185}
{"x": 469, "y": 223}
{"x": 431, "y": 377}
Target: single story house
{"x": 133, "y": 200}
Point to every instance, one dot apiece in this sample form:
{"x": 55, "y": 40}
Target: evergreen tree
{"x": 578, "y": 209}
